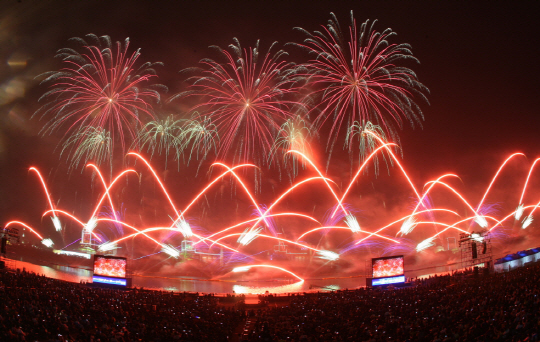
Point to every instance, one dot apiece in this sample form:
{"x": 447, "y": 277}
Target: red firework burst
{"x": 99, "y": 88}
{"x": 357, "y": 79}
{"x": 246, "y": 97}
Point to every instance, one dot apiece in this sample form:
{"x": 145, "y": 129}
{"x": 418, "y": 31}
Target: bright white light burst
{"x": 249, "y": 235}
{"x": 171, "y": 251}
{"x": 408, "y": 225}
{"x": 241, "y": 269}
{"x": 92, "y": 223}
{"x": 183, "y": 227}
{"x": 56, "y": 222}
{"x": 352, "y": 223}
{"x": 519, "y": 212}
{"x": 481, "y": 220}
{"x": 107, "y": 246}
{"x": 47, "y": 242}
{"x": 425, "y": 244}
{"x": 527, "y": 222}
{"x": 328, "y": 255}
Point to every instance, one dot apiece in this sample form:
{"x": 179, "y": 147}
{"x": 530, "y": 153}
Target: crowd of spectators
{"x": 485, "y": 307}
{"x": 36, "y": 308}
{"x": 460, "y": 307}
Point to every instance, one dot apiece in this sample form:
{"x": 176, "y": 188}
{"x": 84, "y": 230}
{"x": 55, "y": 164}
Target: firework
{"x": 199, "y": 136}
{"x": 99, "y": 89}
{"x": 367, "y": 143}
{"x": 294, "y": 134}
{"x": 161, "y": 135}
{"x": 246, "y": 98}
{"x": 358, "y": 78}
{"x": 89, "y": 143}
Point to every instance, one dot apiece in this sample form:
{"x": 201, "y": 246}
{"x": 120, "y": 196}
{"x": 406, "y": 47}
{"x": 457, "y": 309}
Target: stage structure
{"x": 388, "y": 270}
{"x": 476, "y": 249}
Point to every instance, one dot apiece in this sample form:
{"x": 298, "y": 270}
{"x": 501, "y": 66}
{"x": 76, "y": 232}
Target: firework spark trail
{"x": 383, "y": 143}
{"x": 244, "y": 97}
{"x": 340, "y": 201}
{"x": 519, "y": 210}
{"x": 24, "y": 225}
{"x": 268, "y": 237}
{"x": 252, "y": 220}
{"x": 496, "y": 175}
{"x": 402, "y": 219}
{"x": 246, "y": 268}
{"x": 99, "y": 88}
{"x": 346, "y": 228}
{"x": 96, "y": 169}
{"x": 144, "y": 231}
{"x": 499, "y": 223}
{"x": 285, "y": 193}
{"x": 359, "y": 79}
{"x": 56, "y": 221}
{"x": 246, "y": 190}
{"x": 108, "y": 188}
{"x": 324, "y": 179}
{"x": 73, "y": 218}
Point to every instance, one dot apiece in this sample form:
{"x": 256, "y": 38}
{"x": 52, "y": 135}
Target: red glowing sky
{"x": 477, "y": 59}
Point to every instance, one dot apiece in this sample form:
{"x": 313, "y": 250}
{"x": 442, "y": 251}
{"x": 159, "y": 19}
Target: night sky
{"x": 478, "y": 59}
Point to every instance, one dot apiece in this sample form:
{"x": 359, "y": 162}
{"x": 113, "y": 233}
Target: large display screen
{"x": 387, "y": 267}
{"x": 110, "y": 266}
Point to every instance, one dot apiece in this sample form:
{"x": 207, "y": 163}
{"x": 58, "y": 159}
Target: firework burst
{"x": 161, "y": 135}
{"x": 356, "y": 78}
{"x": 199, "y": 136}
{"x": 367, "y": 143}
{"x": 246, "y": 98}
{"x": 89, "y": 143}
{"x": 294, "y": 134}
{"x": 99, "y": 89}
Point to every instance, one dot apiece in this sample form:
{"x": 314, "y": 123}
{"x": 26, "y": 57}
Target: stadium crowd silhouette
{"x": 458, "y": 307}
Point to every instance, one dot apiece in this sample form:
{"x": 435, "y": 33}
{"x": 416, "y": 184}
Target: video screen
{"x": 387, "y": 266}
{"x": 110, "y": 266}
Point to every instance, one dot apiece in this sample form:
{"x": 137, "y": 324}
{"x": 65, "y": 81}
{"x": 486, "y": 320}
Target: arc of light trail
{"x": 255, "y": 219}
{"x": 269, "y": 266}
{"x": 404, "y": 218}
{"x": 268, "y": 237}
{"x": 340, "y": 201}
{"x": 245, "y": 189}
{"x": 346, "y": 228}
{"x": 107, "y": 190}
{"x": 457, "y": 193}
{"x": 167, "y": 194}
{"x": 44, "y": 187}
{"x": 154, "y": 229}
{"x": 396, "y": 160}
{"x": 74, "y": 218}
{"x": 322, "y": 177}
{"x": 25, "y": 225}
{"x": 453, "y": 226}
{"x": 286, "y": 192}
{"x": 495, "y": 177}
{"x": 429, "y": 189}
{"x": 105, "y": 186}
{"x": 157, "y": 178}
{"x": 507, "y": 217}
{"x": 527, "y": 180}
{"x": 129, "y": 226}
